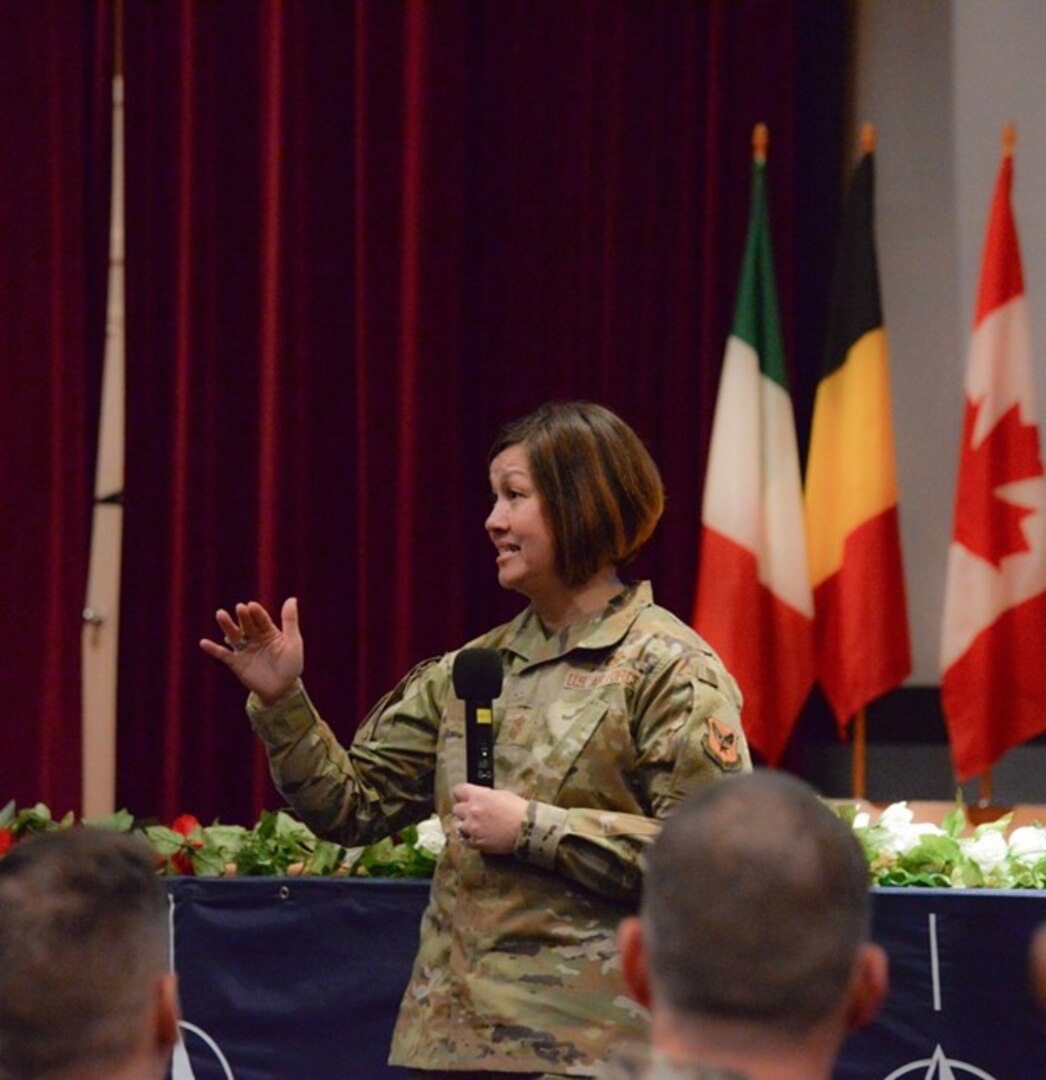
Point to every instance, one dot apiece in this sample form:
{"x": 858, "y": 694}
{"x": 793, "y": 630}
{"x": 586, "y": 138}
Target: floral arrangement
{"x": 900, "y": 851}
{"x": 277, "y": 845}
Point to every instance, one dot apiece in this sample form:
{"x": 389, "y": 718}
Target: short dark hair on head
{"x": 755, "y": 903}
{"x": 83, "y": 939}
{"x": 601, "y": 491}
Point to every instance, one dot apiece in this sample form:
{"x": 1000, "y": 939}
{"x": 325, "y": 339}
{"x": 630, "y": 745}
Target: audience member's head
{"x": 85, "y": 989}
{"x": 752, "y": 945}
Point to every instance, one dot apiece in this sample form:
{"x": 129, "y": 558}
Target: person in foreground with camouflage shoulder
{"x": 751, "y": 949}
{"x": 612, "y": 710}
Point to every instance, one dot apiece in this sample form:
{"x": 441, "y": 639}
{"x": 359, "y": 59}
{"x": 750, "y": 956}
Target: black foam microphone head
{"x": 477, "y": 674}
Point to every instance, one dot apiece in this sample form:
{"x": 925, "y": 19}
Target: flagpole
{"x": 859, "y": 762}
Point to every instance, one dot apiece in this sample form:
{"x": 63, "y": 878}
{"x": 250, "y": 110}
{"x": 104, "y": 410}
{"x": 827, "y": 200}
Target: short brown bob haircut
{"x": 601, "y": 491}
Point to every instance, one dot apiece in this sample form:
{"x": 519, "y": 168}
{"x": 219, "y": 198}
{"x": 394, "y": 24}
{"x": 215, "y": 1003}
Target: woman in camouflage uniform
{"x": 612, "y": 710}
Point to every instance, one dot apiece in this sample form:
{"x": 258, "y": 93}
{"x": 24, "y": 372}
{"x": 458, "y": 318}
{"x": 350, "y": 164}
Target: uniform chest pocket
{"x": 537, "y": 747}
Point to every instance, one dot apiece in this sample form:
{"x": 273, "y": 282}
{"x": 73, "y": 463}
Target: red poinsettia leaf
{"x": 987, "y": 522}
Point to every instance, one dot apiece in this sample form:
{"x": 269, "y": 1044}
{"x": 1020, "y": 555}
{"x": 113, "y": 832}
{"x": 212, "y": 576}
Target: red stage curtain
{"x": 360, "y": 237}
{"x": 54, "y": 191}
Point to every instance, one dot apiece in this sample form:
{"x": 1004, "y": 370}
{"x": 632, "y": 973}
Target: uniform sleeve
{"x": 381, "y": 782}
{"x": 687, "y": 732}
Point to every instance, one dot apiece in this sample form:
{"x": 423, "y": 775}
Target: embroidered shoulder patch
{"x": 719, "y": 742}
{"x": 580, "y": 680}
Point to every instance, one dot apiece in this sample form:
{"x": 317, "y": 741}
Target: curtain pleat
{"x": 360, "y": 238}
{"x": 55, "y": 97}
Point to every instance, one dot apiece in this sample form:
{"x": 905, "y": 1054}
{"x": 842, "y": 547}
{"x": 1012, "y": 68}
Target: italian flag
{"x": 853, "y": 534}
{"x": 753, "y": 601}
{"x": 993, "y": 654}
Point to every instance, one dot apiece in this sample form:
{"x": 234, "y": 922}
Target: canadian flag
{"x": 993, "y": 654}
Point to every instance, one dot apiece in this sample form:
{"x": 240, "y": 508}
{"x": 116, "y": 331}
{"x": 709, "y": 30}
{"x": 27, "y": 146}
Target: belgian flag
{"x": 860, "y": 612}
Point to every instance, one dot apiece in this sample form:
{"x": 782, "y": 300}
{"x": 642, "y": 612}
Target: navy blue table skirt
{"x": 288, "y": 978}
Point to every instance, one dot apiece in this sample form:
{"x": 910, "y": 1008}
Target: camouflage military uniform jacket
{"x": 603, "y": 727}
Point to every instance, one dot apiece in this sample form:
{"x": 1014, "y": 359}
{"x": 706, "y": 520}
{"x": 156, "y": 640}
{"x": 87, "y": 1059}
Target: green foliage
{"x": 398, "y": 856}
{"x": 900, "y": 852}
{"x": 120, "y": 821}
{"x": 31, "y": 819}
{"x": 278, "y": 845}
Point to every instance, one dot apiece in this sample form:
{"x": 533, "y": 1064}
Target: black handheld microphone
{"x": 477, "y": 681}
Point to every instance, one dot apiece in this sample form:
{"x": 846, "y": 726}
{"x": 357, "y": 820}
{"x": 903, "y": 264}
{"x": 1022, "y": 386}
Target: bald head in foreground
{"x": 85, "y": 990}
{"x": 752, "y": 947}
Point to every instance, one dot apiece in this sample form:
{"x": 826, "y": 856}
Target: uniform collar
{"x": 527, "y": 638}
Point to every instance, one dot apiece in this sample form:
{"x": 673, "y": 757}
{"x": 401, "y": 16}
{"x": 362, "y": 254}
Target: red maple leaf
{"x": 987, "y": 523}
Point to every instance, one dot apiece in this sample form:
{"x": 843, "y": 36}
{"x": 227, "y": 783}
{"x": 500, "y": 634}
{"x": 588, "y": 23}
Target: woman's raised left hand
{"x": 266, "y": 658}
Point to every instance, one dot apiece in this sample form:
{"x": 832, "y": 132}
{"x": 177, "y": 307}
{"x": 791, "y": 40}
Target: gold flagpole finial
{"x": 760, "y": 141}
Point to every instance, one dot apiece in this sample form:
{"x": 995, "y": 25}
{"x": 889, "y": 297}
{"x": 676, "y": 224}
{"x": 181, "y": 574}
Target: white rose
{"x": 988, "y": 851}
{"x": 862, "y": 820}
{"x": 430, "y": 836}
{"x": 901, "y": 833}
{"x": 1028, "y": 844}
{"x": 896, "y": 814}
